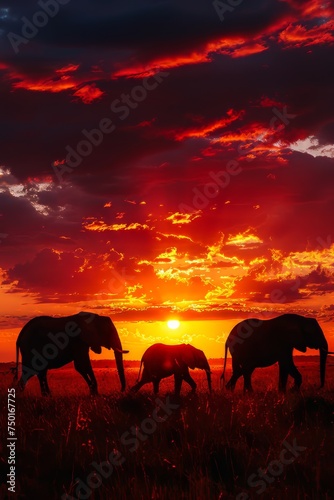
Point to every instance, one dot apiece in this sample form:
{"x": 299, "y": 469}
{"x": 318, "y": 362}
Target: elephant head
{"x": 195, "y": 358}
{"x": 309, "y": 334}
{"x": 99, "y": 331}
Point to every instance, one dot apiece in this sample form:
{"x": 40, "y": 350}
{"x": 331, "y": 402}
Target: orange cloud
{"x": 208, "y": 129}
{"x": 218, "y": 259}
{"x": 88, "y": 93}
{"x": 138, "y": 70}
{"x": 267, "y": 102}
{"x": 244, "y": 240}
{"x": 304, "y": 262}
{"x": 101, "y": 226}
{"x": 57, "y": 84}
{"x": 245, "y": 49}
{"x": 70, "y": 68}
{"x": 246, "y": 45}
{"x": 235, "y": 47}
{"x": 298, "y": 35}
{"x": 179, "y": 218}
{"x": 311, "y": 9}
{"x": 252, "y": 132}
{"x": 176, "y": 236}
{"x": 63, "y": 79}
{"x": 169, "y": 256}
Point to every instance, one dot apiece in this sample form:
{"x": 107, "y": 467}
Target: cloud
{"x": 311, "y": 146}
{"x": 298, "y": 35}
{"x": 99, "y": 225}
{"x": 180, "y": 218}
{"x": 238, "y": 93}
{"x": 246, "y": 240}
{"x": 88, "y": 93}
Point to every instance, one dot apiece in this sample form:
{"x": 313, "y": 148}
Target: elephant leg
{"x": 138, "y": 385}
{"x": 283, "y": 376}
{"x": 156, "y": 382}
{"x": 21, "y": 384}
{"x": 287, "y": 367}
{"x": 145, "y": 379}
{"x": 230, "y": 385}
{"x": 27, "y": 373}
{"x": 296, "y": 375}
{"x": 248, "y": 380}
{"x": 188, "y": 378}
{"x": 178, "y": 383}
{"x": 84, "y": 367}
{"x": 237, "y": 372}
{"x": 93, "y": 382}
{"x": 43, "y": 382}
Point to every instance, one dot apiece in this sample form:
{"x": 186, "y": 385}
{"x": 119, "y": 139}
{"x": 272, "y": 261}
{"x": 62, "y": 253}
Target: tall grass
{"x": 207, "y": 448}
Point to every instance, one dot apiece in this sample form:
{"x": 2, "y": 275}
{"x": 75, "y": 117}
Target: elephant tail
{"x": 139, "y": 370}
{"x": 222, "y": 378}
{"x": 16, "y": 369}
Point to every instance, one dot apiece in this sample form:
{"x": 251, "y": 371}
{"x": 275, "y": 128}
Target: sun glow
{"x": 173, "y": 324}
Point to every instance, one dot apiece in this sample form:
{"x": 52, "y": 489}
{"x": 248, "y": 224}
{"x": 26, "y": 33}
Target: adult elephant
{"x": 46, "y": 342}
{"x": 161, "y": 361}
{"x": 259, "y": 343}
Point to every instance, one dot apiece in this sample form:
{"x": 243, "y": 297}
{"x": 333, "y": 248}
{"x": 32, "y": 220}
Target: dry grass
{"x": 207, "y": 448}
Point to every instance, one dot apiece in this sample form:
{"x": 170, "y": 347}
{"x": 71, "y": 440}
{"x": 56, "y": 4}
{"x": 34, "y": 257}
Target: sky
{"x": 166, "y": 160}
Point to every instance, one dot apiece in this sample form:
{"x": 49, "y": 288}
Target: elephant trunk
{"x": 205, "y": 366}
{"x": 323, "y": 358}
{"x": 116, "y": 345}
{"x": 120, "y": 368}
{"x": 208, "y": 374}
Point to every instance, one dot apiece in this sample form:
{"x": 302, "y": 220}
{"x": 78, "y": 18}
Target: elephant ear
{"x": 188, "y": 356}
{"x": 89, "y": 333}
{"x": 298, "y": 338}
{"x": 96, "y": 349}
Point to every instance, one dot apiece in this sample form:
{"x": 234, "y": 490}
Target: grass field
{"x": 196, "y": 447}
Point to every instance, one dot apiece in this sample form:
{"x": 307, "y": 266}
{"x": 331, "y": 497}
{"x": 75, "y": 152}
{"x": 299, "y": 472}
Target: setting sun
{"x": 173, "y": 324}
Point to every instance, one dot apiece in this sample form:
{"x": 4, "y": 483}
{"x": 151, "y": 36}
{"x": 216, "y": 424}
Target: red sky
{"x": 208, "y": 197}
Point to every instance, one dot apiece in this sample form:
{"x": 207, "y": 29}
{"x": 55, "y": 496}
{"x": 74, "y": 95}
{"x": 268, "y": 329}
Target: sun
{"x": 173, "y": 324}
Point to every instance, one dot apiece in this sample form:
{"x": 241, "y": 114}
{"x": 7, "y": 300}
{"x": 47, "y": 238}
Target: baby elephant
{"x": 161, "y": 361}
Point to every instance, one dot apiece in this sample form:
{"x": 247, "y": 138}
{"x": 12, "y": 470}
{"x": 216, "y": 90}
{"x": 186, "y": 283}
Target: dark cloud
{"x": 42, "y": 124}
